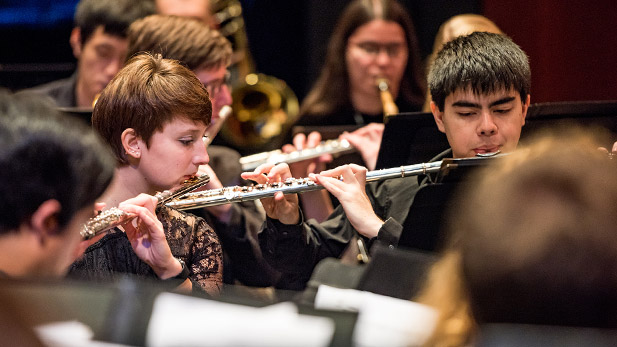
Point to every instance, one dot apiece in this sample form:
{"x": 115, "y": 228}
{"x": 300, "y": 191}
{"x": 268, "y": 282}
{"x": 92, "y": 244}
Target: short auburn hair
{"x": 146, "y": 94}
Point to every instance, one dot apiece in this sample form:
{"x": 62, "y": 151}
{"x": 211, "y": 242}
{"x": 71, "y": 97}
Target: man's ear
{"x": 438, "y": 115}
{"x": 525, "y": 108}
{"x": 44, "y": 220}
{"x": 75, "y": 41}
{"x": 131, "y": 143}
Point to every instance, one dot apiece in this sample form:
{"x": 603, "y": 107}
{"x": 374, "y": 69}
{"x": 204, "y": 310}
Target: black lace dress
{"x": 190, "y": 239}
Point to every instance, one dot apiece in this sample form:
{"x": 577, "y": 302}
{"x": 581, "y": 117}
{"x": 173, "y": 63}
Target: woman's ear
{"x": 131, "y": 143}
{"x": 44, "y": 220}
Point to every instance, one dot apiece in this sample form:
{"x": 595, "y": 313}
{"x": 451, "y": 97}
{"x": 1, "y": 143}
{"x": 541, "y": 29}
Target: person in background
{"x": 154, "y": 115}
{"x": 546, "y": 256}
{"x": 371, "y": 40}
{"x": 480, "y": 86}
{"x": 99, "y": 44}
{"x": 208, "y": 12}
{"x": 208, "y": 54}
{"x": 203, "y": 50}
{"x": 368, "y": 138}
{"x": 198, "y": 9}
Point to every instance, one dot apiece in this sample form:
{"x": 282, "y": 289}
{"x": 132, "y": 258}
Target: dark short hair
{"x": 147, "y": 93}
{"x": 114, "y": 16}
{"x": 188, "y": 40}
{"x": 483, "y": 62}
{"x": 46, "y": 155}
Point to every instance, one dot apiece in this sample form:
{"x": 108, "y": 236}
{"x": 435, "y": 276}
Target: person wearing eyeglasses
{"x": 208, "y": 54}
{"x": 374, "y": 39}
{"x": 204, "y": 51}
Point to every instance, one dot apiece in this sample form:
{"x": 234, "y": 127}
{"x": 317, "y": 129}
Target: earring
{"x": 133, "y": 152}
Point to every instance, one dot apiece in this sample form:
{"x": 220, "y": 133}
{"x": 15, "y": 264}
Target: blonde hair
{"x": 444, "y": 290}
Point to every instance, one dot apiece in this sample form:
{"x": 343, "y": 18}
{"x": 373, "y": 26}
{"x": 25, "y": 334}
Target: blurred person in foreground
{"x": 52, "y": 170}
{"x": 546, "y": 256}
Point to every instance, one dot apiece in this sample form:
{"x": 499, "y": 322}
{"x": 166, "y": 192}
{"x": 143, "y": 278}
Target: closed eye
{"x": 186, "y": 142}
{"x": 465, "y": 114}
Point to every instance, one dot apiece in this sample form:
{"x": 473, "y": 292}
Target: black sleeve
{"x": 295, "y": 250}
{"x": 392, "y": 200}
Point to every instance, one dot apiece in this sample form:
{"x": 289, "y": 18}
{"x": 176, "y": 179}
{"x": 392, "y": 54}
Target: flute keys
{"x": 229, "y": 194}
{"x": 104, "y": 221}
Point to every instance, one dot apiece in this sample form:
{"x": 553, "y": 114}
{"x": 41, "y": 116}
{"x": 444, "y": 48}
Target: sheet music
{"x": 179, "y": 320}
{"x": 382, "y": 320}
{"x": 69, "y": 334}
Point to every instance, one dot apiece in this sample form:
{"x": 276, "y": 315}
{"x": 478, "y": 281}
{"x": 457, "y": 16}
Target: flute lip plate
{"x": 488, "y": 155}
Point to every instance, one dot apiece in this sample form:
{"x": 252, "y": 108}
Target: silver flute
{"x": 251, "y": 162}
{"x": 227, "y": 195}
{"x": 114, "y": 216}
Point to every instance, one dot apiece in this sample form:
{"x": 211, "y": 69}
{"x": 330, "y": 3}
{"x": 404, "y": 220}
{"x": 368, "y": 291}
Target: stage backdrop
{"x": 572, "y": 45}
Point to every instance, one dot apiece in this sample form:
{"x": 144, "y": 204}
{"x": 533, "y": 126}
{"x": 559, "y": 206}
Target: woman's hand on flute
{"x": 282, "y": 207}
{"x": 351, "y": 193}
{"x": 147, "y": 236}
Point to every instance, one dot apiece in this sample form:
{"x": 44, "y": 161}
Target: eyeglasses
{"x": 372, "y": 49}
{"x": 214, "y": 87}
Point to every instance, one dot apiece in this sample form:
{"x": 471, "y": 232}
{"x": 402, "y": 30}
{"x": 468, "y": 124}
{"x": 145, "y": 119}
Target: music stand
{"x": 601, "y": 113}
{"x": 410, "y": 138}
{"x": 424, "y": 227}
{"x": 395, "y": 272}
{"x": 561, "y": 115}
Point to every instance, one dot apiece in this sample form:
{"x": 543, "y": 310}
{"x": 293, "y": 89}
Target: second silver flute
{"x": 251, "y": 162}
{"x": 290, "y": 186}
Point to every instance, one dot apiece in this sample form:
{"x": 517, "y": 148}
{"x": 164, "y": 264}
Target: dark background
{"x": 572, "y": 44}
